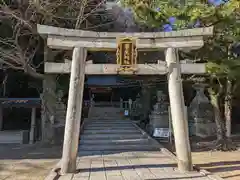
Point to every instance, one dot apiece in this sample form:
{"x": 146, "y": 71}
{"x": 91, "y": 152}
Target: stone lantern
{"x": 201, "y": 116}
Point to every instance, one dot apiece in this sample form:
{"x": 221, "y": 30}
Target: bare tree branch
{"x": 21, "y": 42}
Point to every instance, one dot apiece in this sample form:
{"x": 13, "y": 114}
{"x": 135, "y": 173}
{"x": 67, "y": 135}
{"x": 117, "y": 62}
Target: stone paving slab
{"x": 145, "y": 165}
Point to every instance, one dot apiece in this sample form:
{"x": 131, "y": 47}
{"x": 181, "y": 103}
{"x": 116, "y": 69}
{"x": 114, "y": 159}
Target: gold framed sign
{"x": 126, "y": 54}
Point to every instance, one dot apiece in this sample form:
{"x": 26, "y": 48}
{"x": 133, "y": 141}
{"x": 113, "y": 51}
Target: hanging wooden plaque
{"x": 126, "y": 54}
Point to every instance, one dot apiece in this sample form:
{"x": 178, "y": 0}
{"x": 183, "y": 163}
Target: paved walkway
{"x": 120, "y": 151}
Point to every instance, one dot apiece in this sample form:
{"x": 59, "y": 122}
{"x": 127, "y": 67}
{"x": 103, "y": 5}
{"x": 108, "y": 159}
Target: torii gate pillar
{"x": 74, "y": 111}
{"x": 179, "y": 119}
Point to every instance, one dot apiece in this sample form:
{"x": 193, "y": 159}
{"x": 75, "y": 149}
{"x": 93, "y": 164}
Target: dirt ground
{"x": 223, "y": 164}
{"x": 25, "y": 162}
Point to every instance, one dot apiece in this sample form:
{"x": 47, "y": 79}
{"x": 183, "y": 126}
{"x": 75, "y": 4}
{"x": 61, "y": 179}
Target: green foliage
{"x": 226, "y": 68}
{"x": 216, "y": 51}
{"x": 157, "y": 13}
{"x": 222, "y": 64}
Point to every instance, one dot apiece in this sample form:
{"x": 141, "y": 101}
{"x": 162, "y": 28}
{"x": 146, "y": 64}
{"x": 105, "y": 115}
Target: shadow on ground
{"x": 222, "y": 166}
{"x": 126, "y": 167}
{"x": 177, "y": 178}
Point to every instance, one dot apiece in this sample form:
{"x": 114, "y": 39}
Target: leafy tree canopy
{"x": 221, "y": 51}
{"x": 175, "y": 15}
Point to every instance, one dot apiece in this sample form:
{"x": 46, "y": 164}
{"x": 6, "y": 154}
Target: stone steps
{"x": 116, "y": 147}
{"x": 110, "y": 113}
{"x": 110, "y": 136}
{"x": 105, "y": 130}
{"x": 121, "y": 126}
{"x": 94, "y": 111}
{"x": 115, "y": 142}
{"x": 87, "y": 124}
{"x": 109, "y": 128}
{"x": 116, "y": 124}
{"x": 93, "y": 122}
{"x": 101, "y": 117}
{"x": 111, "y": 131}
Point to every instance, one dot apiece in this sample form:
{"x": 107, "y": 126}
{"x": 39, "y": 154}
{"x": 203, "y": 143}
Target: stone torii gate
{"x": 82, "y": 41}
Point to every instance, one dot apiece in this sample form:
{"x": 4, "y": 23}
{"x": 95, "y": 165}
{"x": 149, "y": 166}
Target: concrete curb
{"x": 171, "y": 154}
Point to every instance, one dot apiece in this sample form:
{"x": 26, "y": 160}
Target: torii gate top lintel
{"x": 51, "y": 30}
{"x": 62, "y": 38}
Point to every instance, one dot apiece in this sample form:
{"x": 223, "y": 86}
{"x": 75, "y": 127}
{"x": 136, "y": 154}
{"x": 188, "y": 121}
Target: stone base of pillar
{"x": 204, "y": 130}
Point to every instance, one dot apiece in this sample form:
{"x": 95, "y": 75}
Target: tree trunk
{"x": 228, "y": 108}
{"x": 48, "y": 101}
{"x": 223, "y": 142}
{"x": 48, "y": 108}
{"x": 217, "y": 116}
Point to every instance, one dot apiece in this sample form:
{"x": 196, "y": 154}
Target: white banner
{"x": 161, "y": 132}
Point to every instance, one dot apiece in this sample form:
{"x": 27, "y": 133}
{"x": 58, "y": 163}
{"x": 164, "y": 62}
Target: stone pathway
{"x": 118, "y": 150}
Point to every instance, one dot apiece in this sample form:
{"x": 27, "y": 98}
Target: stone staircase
{"x": 102, "y": 111}
{"x": 107, "y": 130}
{"x": 113, "y": 135}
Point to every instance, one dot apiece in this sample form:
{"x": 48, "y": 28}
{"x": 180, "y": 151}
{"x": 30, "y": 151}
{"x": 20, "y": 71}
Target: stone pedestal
{"x": 159, "y": 120}
{"x": 159, "y": 117}
{"x": 201, "y": 117}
